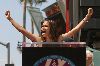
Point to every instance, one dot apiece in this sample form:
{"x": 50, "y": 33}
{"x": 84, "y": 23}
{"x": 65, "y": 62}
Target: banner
{"x": 36, "y": 17}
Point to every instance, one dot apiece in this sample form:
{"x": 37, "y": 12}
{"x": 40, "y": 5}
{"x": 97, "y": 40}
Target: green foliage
{"x": 33, "y": 1}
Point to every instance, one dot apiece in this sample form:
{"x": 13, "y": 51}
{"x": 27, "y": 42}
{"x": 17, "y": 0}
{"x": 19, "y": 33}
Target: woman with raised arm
{"x": 29, "y": 35}
{"x": 48, "y": 29}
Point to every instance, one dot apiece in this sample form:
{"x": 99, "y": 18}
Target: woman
{"x": 89, "y": 58}
{"x": 48, "y": 30}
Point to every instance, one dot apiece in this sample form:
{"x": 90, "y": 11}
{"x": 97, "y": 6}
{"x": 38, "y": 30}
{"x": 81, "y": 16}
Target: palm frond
{"x": 20, "y": 1}
{"x": 30, "y": 2}
{"x": 39, "y": 1}
{"x": 33, "y": 1}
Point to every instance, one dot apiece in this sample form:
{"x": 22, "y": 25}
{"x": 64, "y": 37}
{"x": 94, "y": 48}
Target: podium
{"x": 54, "y": 54}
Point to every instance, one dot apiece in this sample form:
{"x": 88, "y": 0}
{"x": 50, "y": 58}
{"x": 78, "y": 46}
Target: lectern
{"x": 54, "y": 54}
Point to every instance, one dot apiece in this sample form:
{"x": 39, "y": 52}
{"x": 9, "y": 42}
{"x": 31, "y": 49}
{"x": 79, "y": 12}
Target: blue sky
{"x": 9, "y": 34}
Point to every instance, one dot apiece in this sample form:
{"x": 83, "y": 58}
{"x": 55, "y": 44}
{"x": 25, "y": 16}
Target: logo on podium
{"x": 54, "y": 60}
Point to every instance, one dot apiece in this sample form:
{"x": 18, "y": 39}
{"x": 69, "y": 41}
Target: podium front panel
{"x": 54, "y": 55}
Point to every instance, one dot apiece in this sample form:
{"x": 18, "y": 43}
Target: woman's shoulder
{"x": 60, "y": 38}
{"x": 65, "y": 38}
{"x": 38, "y": 37}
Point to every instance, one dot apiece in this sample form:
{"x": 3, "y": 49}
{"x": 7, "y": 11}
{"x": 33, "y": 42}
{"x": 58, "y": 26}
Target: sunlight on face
{"x": 89, "y": 57}
{"x": 45, "y": 29}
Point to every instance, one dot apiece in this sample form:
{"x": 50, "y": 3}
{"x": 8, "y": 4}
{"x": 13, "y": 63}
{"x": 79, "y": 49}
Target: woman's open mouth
{"x": 43, "y": 32}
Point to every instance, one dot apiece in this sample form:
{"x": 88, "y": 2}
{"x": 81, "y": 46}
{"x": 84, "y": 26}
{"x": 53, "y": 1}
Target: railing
{"x": 52, "y": 44}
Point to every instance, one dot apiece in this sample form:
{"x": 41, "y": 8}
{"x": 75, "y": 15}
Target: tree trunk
{"x": 32, "y": 24}
{"x": 24, "y": 18}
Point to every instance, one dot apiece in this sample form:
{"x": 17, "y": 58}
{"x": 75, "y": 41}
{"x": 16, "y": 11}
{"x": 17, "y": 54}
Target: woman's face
{"x": 45, "y": 29}
{"x": 89, "y": 57}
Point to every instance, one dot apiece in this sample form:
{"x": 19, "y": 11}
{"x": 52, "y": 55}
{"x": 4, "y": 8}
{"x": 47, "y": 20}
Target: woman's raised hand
{"x": 89, "y": 14}
{"x": 90, "y": 11}
{"x": 7, "y": 13}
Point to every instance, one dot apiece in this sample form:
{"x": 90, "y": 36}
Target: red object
{"x": 23, "y": 44}
{"x": 67, "y": 16}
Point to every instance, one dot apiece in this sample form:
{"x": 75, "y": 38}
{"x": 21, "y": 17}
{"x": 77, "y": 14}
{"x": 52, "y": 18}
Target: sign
{"x": 54, "y": 60}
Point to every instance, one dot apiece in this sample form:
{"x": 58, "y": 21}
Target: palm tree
{"x": 24, "y": 11}
{"x": 32, "y": 24}
{"x": 24, "y": 16}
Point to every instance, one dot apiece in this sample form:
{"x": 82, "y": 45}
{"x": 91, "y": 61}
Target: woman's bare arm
{"x": 29, "y": 35}
{"x": 80, "y": 25}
